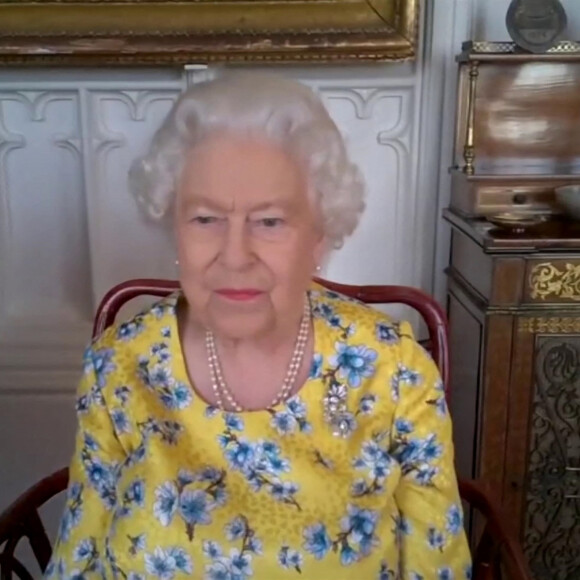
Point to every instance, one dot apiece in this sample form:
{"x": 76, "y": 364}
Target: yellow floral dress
{"x": 351, "y": 478}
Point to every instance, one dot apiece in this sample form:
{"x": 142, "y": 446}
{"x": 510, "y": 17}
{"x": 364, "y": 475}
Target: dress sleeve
{"x": 79, "y": 550}
{"x": 430, "y": 529}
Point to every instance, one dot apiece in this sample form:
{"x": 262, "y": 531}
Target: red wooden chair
{"x": 497, "y": 556}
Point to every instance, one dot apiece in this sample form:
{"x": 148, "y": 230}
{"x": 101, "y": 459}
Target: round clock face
{"x": 536, "y": 25}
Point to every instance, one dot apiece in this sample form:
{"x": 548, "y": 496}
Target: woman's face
{"x": 248, "y": 236}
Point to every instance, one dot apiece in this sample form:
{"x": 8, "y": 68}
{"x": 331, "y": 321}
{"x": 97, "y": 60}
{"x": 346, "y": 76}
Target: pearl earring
{"x": 318, "y": 268}
{"x": 177, "y": 262}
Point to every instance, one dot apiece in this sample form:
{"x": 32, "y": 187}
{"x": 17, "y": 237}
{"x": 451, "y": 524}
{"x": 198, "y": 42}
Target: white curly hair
{"x": 283, "y": 111}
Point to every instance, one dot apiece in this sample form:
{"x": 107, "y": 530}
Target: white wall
{"x": 69, "y": 230}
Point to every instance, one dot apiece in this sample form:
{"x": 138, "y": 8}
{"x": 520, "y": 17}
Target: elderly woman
{"x": 254, "y": 425}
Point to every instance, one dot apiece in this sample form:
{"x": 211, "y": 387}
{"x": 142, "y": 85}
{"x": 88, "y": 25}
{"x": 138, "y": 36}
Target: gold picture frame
{"x": 154, "y": 32}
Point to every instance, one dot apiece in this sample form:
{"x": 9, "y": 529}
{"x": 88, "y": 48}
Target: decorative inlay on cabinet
{"x": 552, "y": 514}
{"x": 555, "y": 281}
{"x": 549, "y": 325}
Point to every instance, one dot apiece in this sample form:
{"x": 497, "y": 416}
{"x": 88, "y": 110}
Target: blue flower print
{"x": 182, "y": 560}
{"x": 166, "y": 332}
{"x": 185, "y": 477}
{"x": 284, "y": 422}
{"x": 212, "y": 550}
{"x": 281, "y": 490}
{"x": 87, "y": 555}
{"x": 102, "y": 477}
{"x": 240, "y": 454}
{"x": 136, "y": 492}
{"x": 120, "y": 421}
{"x": 425, "y": 474}
{"x": 290, "y": 559}
{"x": 168, "y": 430}
{"x": 386, "y": 333}
{"x": 386, "y": 573}
{"x": 359, "y": 527}
{"x": 160, "y": 350}
{"x": 416, "y": 576}
{"x": 291, "y": 418}
{"x": 193, "y": 504}
{"x": 238, "y": 565}
{"x": 317, "y": 541}
{"x": 348, "y": 555}
{"x": 241, "y": 564}
{"x": 220, "y": 569}
{"x": 468, "y": 572}
{"x": 439, "y": 401}
{"x": 85, "y": 550}
{"x": 260, "y": 463}
{"x": 354, "y": 362}
{"x": 73, "y": 511}
{"x": 454, "y": 520}
{"x": 444, "y": 574}
{"x": 83, "y": 404}
{"x": 158, "y": 310}
{"x": 402, "y": 528}
{"x": 255, "y": 545}
{"x": 416, "y": 456}
{"x": 316, "y": 366}
{"x": 233, "y": 422}
{"x": 296, "y": 406}
{"x": 122, "y": 394}
{"x": 236, "y": 529}
{"x": 166, "y": 500}
{"x": 135, "y": 576}
{"x": 164, "y": 564}
{"x": 211, "y": 411}
{"x": 435, "y": 539}
{"x": 408, "y": 376}
{"x": 404, "y": 426}
{"x": 366, "y": 404}
{"x": 431, "y": 449}
{"x": 160, "y": 376}
{"x": 176, "y": 396}
{"x": 327, "y": 313}
{"x": 103, "y": 361}
{"x": 377, "y": 462}
{"x": 137, "y": 544}
{"x": 404, "y": 376}
{"x": 90, "y": 442}
{"x": 129, "y": 330}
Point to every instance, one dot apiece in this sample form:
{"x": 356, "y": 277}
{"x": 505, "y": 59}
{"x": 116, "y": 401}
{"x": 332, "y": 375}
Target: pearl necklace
{"x": 219, "y": 385}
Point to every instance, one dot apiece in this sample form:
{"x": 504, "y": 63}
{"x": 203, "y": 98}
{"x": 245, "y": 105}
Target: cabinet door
{"x": 542, "y": 486}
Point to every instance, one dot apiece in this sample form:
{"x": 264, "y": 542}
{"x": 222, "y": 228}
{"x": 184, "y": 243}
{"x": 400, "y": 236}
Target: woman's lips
{"x": 240, "y": 294}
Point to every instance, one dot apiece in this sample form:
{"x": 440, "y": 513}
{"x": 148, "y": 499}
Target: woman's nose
{"x": 237, "y": 252}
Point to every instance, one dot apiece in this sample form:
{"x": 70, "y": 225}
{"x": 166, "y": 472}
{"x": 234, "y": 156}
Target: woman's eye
{"x": 205, "y": 220}
{"x": 271, "y": 222}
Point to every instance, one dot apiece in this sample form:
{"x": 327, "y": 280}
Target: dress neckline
{"x": 309, "y": 390}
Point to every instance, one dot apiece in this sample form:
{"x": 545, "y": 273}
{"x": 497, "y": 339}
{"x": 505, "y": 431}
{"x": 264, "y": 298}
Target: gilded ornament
{"x": 549, "y": 325}
{"x": 546, "y": 280}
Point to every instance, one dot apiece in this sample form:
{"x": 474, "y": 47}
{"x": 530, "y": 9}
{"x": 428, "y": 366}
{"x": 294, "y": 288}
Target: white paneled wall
{"x": 69, "y": 230}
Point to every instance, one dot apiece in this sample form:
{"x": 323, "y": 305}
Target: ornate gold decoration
{"x": 544, "y": 325}
{"x": 546, "y": 280}
{"x": 486, "y": 47}
{"x": 469, "y": 150}
{"x": 95, "y": 32}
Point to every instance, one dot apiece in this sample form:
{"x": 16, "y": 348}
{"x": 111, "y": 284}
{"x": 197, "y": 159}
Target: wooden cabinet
{"x": 514, "y": 311}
